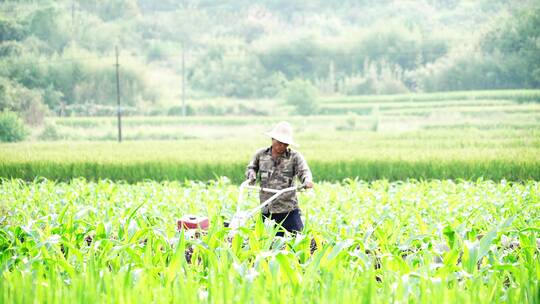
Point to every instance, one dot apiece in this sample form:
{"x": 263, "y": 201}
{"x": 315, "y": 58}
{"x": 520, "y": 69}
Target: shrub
{"x": 350, "y": 122}
{"x": 374, "y": 127}
{"x": 376, "y": 78}
{"x": 234, "y": 74}
{"x": 177, "y": 110}
{"x": 20, "y": 99}
{"x": 34, "y": 110}
{"x": 50, "y": 133}
{"x": 302, "y": 95}
{"x": 12, "y": 127}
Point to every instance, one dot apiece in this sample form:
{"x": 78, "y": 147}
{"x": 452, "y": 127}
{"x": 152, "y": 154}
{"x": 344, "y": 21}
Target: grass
{"x": 332, "y": 155}
{"x": 409, "y": 241}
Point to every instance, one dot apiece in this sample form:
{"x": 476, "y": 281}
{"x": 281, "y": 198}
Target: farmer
{"x": 277, "y": 166}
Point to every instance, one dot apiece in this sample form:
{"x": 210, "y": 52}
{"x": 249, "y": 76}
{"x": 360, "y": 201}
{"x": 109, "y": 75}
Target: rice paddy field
{"x": 469, "y": 135}
{"x": 418, "y": 199}
{"x": 471, "y": 154}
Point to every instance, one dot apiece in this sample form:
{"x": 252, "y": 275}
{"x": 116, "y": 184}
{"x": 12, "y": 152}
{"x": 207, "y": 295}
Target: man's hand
{"x": 309, "y": 185}
{"x": 252, "y": 177}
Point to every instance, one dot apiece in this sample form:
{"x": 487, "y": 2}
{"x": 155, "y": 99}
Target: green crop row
{"x": 467, "y": 153}
{"x": 221, "y": 121}
{"x": 322, "y": 170}
{"x": 515, "y": 95}
{"x": 485, "y": 109}
{"x": 522, "y": 117}
{"x": 397, "y": 106}
{"x": 326, "y": 145}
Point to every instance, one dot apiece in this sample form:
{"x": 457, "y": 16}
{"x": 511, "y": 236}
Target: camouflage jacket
{"x": 279, "y": 174}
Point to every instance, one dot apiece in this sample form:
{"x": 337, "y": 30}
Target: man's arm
{"x": 303, "y": 171}
{"x": 253, "y": 167}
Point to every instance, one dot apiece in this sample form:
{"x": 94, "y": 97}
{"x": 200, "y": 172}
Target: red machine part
{"x": 189, "y": 222}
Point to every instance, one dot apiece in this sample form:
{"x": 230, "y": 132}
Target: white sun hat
{"x": 283, "y": 132}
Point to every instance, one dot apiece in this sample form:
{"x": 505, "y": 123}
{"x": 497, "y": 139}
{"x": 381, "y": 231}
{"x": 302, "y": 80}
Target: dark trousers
{"x": 291, "y": 221}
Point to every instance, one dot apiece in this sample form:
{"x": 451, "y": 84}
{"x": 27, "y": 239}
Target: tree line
{"x": 58, "y": 55}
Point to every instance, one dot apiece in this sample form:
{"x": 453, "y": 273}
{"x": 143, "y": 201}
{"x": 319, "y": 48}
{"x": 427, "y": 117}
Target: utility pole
{"x": 184, "y": 80}
{"x": 71, "y": 51}
{"x": 119, "y": 110}
{"x": 72, "y": 12}
{"x": 332, "y": 78}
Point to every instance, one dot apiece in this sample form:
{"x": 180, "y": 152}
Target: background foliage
{"x": 60, "y": 54}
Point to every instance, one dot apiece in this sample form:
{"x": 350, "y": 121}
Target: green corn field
{"x": 411, "y": 241}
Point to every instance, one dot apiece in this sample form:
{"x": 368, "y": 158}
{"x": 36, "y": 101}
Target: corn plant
{"x": 412, "y": 241}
